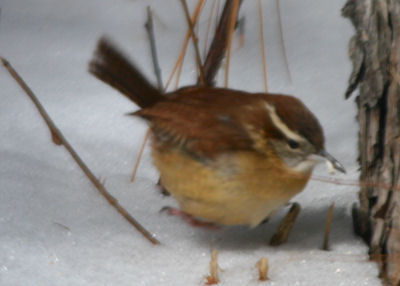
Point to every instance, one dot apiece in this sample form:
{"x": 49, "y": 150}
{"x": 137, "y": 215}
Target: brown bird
{"x": 228, "y": 157}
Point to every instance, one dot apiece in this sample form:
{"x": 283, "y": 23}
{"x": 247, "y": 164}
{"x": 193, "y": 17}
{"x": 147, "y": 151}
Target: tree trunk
{"x": 375, "y": 53}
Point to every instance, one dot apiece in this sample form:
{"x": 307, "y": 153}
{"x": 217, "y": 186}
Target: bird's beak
{"x": 332, "y": 161}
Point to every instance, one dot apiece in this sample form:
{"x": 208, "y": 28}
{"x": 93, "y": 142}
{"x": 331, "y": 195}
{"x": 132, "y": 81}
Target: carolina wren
{"x": 228, "y": 157}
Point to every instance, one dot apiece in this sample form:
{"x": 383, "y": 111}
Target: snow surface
{"x": 55, "y": 229}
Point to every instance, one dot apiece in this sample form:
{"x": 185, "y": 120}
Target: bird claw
{"x": 189, "y": 219}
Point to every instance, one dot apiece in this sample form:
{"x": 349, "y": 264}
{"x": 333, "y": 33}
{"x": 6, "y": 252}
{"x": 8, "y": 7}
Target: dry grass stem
{"x": 139, "y": 157}
{"x": 353, "y": 183}
{"x": 194, "y": 40}
{"x": 209, "y": 21}
{"x": 59, "y": 139}
{"x": 231, "y": 28}
{"x": 181, "y": 56}
{"x": 325, "y": 244}
{"x": 198, "y": 9}
{"x": 262, "y": 47}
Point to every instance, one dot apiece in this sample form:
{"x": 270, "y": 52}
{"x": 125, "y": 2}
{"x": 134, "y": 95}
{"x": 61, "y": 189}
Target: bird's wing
{"x": 208, "y": 121}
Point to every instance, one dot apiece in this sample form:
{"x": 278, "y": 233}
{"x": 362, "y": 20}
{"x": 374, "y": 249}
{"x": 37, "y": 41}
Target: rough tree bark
{"x": 375, "y": 53}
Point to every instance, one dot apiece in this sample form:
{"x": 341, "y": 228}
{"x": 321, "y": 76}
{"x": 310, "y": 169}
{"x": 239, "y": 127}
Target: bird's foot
{"x": 189, "y": 219}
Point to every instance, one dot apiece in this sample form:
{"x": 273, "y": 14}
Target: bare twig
{"x": 264, "y": 64}
{"x": 325, "y": 244}
{"x": 282, "y": 234}
{"x": 149, "y": 28}
{"x": 194, "y": 39}
{"x": 232, "y": 20}
{"x": 278, "y": 8}
{"x": 59, "y": 139}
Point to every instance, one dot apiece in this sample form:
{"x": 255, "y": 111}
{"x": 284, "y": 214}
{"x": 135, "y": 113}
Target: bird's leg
{"x": 189, "y": 219}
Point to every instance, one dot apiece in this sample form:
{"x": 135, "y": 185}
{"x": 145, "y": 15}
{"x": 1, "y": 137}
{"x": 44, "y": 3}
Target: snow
{"x": 55, "y": 229}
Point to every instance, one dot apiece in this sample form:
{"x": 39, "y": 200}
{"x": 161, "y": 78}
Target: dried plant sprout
{"x": 262, "y": 267}
{"x": 213, "y": 278}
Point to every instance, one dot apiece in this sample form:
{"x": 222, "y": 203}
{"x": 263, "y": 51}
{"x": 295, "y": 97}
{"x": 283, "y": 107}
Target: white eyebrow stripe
{"x": 281, "y": 125}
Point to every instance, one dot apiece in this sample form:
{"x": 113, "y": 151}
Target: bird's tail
{"x": 112, "y": 67}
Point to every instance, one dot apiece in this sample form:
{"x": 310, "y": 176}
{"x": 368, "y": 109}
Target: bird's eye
{"x": 293, "y": 144}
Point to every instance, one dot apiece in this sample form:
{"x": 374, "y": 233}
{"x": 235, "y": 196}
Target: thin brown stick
{"x": 139, "y": 157}
{"x": 60, "y": 139}
{"x": 365, "y": 184}
{"x": 196, "y": 14}
{"x": 335, "y": 181}
{"x": 325, "y": 244}
{"x": 282, "y": 233}
{"x": 177, "y": 63}
{"x": 178, "y": 72}
{"x": 194, "y": 40}
{"x": 182, "y": 52}
{"x": 232, "y": 20}
{"x": 264, "y": 64}
{"x": 282, "y": 41}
